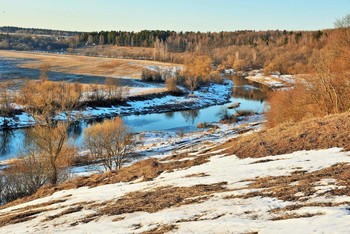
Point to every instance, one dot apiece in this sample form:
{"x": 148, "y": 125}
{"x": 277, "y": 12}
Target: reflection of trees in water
{"x": 190, "y": 115}
{"x": 5, "y": 141}
{"x": 75, "y": 130}
{"x": 239, "y": 90}
{"x": 169, "y": 115}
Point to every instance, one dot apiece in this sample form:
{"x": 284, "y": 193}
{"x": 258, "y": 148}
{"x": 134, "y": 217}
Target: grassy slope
{"x": 327, "y": 132}
{"x": 321, "y": 133}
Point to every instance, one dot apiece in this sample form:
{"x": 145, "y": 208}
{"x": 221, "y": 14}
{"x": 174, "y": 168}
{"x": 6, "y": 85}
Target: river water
{"x": 249, "y": 94}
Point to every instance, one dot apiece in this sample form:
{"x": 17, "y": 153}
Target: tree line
{"x": 191, "y": 41}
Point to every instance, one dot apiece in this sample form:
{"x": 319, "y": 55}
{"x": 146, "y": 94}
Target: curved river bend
{"x": 249, "y": 94}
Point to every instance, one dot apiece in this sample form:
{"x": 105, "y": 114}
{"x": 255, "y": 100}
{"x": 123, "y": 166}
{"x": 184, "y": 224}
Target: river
{"x": 249, "y": 94}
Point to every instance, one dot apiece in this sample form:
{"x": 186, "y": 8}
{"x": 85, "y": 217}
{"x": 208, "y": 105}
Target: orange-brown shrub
{"x": 325, "y": 91}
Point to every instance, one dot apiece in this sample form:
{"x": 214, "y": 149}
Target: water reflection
{"x": 190, "y": 115}
{"x": 249, "y": 90}
{"x": 169, "y": 115}
{"x": 75, "y": 130}
{"x": 5, "y": 139}
{"x": 250, "y": 94}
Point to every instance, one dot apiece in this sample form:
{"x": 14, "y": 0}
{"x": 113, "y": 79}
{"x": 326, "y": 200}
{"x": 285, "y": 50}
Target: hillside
{"x": 229, "y": 188}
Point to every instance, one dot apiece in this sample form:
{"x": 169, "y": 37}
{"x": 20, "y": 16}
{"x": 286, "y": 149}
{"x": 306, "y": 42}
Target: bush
{"x": 151, "y": 75}
{"x": 325, "y": 91}
{"x": 24, "y": 177}
{"x": 170, "y": 84}
{"x": 112, "y": 142}
{"x": 225, "y": 116}
{"x": 6, "y": 99}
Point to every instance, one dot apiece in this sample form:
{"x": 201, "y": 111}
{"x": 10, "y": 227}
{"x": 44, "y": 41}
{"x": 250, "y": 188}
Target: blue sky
{"x": 178, "y": 15}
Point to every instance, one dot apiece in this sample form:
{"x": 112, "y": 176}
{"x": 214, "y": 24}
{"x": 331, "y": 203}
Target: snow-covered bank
{"x": 235, "y": 209}
{"x": 213, "y": 94}
{"x": 160, "y": 144}
{"x": 275, "y": 81}
{"x": 23, "y": 120}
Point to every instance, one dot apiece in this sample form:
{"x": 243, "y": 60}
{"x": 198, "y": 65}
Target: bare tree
{"x": 49, "y": 143}
{"x": 48, "y": 139}
{"x": 6, "y": 98}
{"x": 110, "y": 141}
{"x": 115, "y": 90}
{"x": 170, "y": 84}
{"x": 197, "y": 69}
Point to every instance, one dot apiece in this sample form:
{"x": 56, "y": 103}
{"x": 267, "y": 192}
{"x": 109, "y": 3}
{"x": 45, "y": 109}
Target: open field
{"x": 85, "y": 65}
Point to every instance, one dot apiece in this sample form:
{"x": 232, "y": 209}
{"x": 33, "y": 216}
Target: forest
{"x": 283, "y": 51}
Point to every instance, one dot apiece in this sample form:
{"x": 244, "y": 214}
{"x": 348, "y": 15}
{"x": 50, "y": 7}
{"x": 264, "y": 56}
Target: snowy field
{"x": 232, "y": 209}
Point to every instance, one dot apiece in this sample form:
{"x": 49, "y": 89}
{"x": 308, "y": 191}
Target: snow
{"x": 215, "y": 215}
{"x": 162, "y": 144}
{"x": 22, "y": 120}
{"x": 213, "y": 94}
{"x": 273, "y": 81}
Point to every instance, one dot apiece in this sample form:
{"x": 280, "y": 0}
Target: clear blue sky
{"x": 178, "y": 15}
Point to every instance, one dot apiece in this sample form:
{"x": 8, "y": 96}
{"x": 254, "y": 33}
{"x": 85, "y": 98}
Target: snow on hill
{"x": 302, "y": 192}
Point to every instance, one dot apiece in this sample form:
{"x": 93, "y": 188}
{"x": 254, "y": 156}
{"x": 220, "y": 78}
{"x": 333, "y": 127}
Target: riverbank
{"x": 160, "y": 144}
{"x": 208, "y": 189}
{"x": 274, "y": 81}
{"x": 212, "y": 94}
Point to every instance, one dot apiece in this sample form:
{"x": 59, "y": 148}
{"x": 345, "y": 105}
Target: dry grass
{"x": 197, "y": 175}
{"x": 264, "y": 161}
{"x": 295, "y": 216}
{"x": 70, "y": 210}
{"x": 161, "y": 198}
{"x": 85, "y": 65}
{"x": 20, "y": 217}
{"x": 321, "y": 133}
{"x": 308, "y": 204}
{"x": 161, "y": 229}
{"x": 285, "y": 188}
{"x": 146, "y": 170}
{"x": 87, "y": 219}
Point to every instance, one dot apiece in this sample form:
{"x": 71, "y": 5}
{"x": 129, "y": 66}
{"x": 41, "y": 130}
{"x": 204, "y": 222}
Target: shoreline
{"x": 205, "y": 96}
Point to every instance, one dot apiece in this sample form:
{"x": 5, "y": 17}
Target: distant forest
{"x": 283, "y": 51}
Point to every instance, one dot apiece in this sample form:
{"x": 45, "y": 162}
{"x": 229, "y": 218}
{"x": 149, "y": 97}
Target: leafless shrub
{"x": 110, "y": 141}
{"x": 170, "y": 84}
{"x": 6, "y": 99}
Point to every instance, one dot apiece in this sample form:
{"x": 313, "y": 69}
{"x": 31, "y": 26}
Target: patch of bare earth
{"x": 322, "y": 133}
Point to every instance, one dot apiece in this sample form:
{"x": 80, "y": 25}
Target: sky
{"x": 177, "y": 15}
